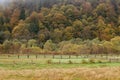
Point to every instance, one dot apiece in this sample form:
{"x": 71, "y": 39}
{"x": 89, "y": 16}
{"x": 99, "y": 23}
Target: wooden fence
{"x": 110, "y": 58}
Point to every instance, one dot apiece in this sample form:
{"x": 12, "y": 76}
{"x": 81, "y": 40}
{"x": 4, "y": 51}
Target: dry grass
{"x": 62, "y": 74}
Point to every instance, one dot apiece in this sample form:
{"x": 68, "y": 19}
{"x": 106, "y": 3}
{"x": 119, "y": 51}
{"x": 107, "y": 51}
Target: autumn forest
{"x": 60, "y": 26}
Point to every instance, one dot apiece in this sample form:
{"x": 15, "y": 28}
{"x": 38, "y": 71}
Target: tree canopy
{"x": 59, "y": 20}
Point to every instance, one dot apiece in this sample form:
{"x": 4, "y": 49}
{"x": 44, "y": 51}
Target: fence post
{"x": 36, "y": 56}
{"x": 77, "y": 56}
{"x": 118, "y": 55}
{"x": 61, "y": 56}
{"x": 106, "y": 56}
{"x": 18, "y": 56}
{"x": 110, "y": 60}
{"x": 53, "y": 56}
{"x": 44, "y": 56}
{"x": 59, "y": 62}
{"x": 28, "y": 56}
{"x": 69, "y": 56}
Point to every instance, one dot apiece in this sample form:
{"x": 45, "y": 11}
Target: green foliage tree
{"x": 55, "y": 37}
{"x": 68, "y": 33}
{"x": 7, "y": 46}
{"x": 49, "y": 46}
{"x": 78, "y": 27}
{"x": 32, "y": 43}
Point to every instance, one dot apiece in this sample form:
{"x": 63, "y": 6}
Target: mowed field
{"x": 49, "y": 67}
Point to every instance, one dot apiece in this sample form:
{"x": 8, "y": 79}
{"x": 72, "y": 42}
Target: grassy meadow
{"x": 49, "y": 67}
{"x": 18, "y": 62}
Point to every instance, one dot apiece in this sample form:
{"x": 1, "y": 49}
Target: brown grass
{"x": 62, "y": 74}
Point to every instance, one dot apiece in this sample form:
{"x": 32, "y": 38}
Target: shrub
{"x": 49, "y": 61}
{"x": 92, "y": 61}
{"x": 70, "y": 62}
{"x": 49, "y": 46}
{"x": 84, "y": 61}
{"x": 99, "y": 61}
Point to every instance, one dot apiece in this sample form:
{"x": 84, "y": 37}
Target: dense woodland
{"x": 60, "y": 26}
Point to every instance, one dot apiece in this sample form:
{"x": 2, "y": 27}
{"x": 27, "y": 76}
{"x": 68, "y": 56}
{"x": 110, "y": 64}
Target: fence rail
{"x": 59, "y": 56}
{"x": 107, "y": 58}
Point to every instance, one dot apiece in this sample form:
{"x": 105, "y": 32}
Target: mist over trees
{"x": 55, "y": 21}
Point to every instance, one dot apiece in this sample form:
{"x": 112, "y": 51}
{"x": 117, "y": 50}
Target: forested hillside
{"x": 60, "y": 25}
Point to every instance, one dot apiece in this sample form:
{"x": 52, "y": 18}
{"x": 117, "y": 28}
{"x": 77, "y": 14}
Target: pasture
{"x": 59, "y": 67}
{"x": 14, "y": 62}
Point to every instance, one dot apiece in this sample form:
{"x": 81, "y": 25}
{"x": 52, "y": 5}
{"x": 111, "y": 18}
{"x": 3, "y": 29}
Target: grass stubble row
{"x": 108, "y": 73}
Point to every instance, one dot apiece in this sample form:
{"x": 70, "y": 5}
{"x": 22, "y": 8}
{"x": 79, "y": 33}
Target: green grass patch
{"x": 13, "y": 63}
